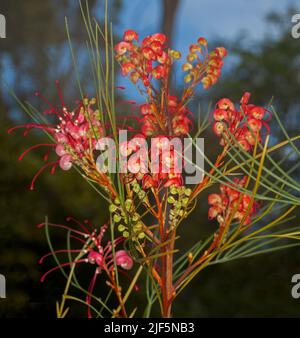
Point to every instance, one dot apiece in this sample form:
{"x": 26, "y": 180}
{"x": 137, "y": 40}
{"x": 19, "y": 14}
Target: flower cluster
{"x": 160, "y": 166}
{"x": 76, "y": 133}
{"x": 129, "y": 222}
{"x": 178, "y": 200}
{"x": 243, "y": 125}
{"x": 93, "y": 252}
{"x": 151, "y": 59}
{"x": 203, "y": 66}
{"x": 230, "y": 200}
{"x": 178, "y": 123}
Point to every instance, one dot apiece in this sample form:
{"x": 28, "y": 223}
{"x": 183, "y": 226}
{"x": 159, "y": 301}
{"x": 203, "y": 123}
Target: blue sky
{"x": 214, "y": 19}
{"x": 210, "y": 18}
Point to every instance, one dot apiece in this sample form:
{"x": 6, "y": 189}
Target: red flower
{"x": 93, "y": 252}
{"x": 231, "y": 200}
{"x": 123, "y": 47}
{"x": 75, "y": 134}
{"x": 245, "y": 125}
{"x": 130, "y": 35}
{"x": 150, "y": 59}
{"x": 202, "y": 66}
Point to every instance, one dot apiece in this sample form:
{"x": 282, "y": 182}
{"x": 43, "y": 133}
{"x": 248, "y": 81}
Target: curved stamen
{"x": 40, "y": 171}
{"x": 41, "y": 260}
{"x": 70, "y": 218}
{"x": 30, "y": 126}
{"x": 63, "y": 227}
{"x": 34, "y": 147}
{"x": 60, "y": 93}
{"x": 61, "y": 266}
{"x": 90, "y": 290}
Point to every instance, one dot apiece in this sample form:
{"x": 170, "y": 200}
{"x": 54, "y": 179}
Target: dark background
{"x": 264, "y": 59}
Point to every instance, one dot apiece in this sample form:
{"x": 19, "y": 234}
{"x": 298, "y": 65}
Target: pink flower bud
{"x": 124, "y": 260}
{"x": 60, "y": 150}
{"x": 60, "y": 138}
{"x": 95, "y": 257}
{"x": 65, "y": 162}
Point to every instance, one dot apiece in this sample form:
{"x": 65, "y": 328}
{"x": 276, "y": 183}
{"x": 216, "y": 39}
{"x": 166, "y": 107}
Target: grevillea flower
{"x": 145, "y": 61}
{"x": 75, "y": 134}
{"x": 124, "y": 260}
{"x": 160, "y": 166}
{"x": 230, "y": 200}
{"x": 93, "y": 252}
{"x": 203, "y": 66}
{"x": 245, "y": 125}
{"x": 180, "y": 119}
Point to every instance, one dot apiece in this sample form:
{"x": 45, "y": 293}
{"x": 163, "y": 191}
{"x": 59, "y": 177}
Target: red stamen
{"x": 52, "y": 171}
{"x": 46, "y": 155}
{"x": 70, "y": 218}
{"x": 34, "y": 147}
{"x": 62, "y": 227}
{"x": 59, "y": 267}
{"x": 90, "y": 290}
{"x": 78, "y": 239}
{"x": 31, "y": 126}
{"x": 41, "y": 260}
{"x": 60, "y": 93}
{"x": 40, "y": 171}
{"x": 38, "y": 94}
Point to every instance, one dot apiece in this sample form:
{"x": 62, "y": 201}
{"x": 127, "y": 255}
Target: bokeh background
{"x": 263, "y": 59}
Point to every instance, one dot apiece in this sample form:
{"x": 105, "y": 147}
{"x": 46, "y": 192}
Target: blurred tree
{"x": 34, "y": 54}
{"x": 268, "y": 67}
{"x": 170, "y": 8}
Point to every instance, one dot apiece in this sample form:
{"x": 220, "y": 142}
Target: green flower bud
{"x": 136, "y": 188}
{"x": 128, "y": 204}
{"x": 126, "y": 234}
{"x": 112, "y": 208}
{"x": 177, "y": 205}
{"x": 174, "y": 191}
{"x": 185, "y": 201}
{"x": 121, "y": 227}
{"x": 137, "y": 227}
{"x": 188, "y": 192}
{"x": 141, "y": 195}
{"x": 135, "y": 217}
{"x": 141, "y": 235}
{"x": 117, "y": 201}
{"x": 171, "y": 199}
{"x": 117, "y": 218}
